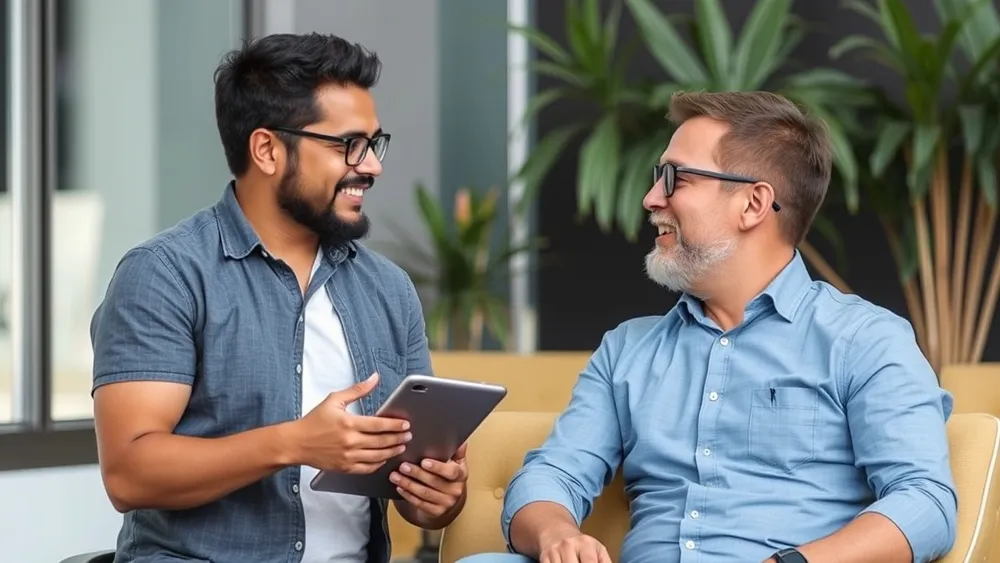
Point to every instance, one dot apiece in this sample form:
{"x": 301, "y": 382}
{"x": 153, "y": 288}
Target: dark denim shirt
{"x": 205, "y": 304}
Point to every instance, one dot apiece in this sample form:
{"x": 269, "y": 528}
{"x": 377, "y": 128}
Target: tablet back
{"x": 442, "y": 412}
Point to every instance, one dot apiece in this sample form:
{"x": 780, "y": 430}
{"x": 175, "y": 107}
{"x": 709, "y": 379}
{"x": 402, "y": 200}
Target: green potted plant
{"x": 460, "y": 269}
{"x": 940, "y": 225}
{"x": 629, "y": 132}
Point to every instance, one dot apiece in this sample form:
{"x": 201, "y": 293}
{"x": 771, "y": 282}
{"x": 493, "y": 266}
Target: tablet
{"x": 443, "y": 413}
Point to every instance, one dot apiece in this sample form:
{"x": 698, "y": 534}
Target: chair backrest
{"x": 497, "y": 450}
{"x": 975, "y": 387}
{"x": 535, "y": 382}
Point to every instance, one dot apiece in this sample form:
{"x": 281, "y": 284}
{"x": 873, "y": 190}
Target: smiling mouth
{"x": 354, "y": 191}
{"x": 665, "y": 230}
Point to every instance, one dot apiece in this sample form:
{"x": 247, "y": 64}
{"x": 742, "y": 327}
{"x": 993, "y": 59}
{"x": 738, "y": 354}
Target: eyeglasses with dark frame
{"x": 355, "y": 146}
{"x": 668, "y": 171}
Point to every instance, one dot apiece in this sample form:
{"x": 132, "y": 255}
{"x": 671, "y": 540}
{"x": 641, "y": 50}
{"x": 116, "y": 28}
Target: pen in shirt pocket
{"x": 774, "y": 399}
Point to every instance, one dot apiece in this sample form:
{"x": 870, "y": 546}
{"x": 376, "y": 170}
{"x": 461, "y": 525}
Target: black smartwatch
{"x": 790, "y": 555}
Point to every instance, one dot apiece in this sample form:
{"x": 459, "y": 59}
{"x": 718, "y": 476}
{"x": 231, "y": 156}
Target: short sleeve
{"x": 144, "y": 327}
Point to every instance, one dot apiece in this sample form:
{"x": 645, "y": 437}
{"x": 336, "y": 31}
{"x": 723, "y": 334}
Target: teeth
{"x": 357, "y": 192}
{"x": 665, "y": 230}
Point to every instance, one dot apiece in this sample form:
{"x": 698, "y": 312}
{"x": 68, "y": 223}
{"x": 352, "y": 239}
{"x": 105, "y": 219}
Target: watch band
{"x": 790, "y": 555}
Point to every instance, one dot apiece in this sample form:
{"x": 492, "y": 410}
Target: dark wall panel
{"x": 590, "y": 281}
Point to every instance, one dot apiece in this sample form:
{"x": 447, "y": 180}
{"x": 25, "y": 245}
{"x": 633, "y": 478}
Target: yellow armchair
{"x": 498, "y": 448}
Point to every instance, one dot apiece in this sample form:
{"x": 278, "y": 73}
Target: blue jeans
{"x": 496, "y": 558}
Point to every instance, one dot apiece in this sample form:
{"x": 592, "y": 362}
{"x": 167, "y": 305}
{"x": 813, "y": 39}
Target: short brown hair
{"x": 769, "y": 138}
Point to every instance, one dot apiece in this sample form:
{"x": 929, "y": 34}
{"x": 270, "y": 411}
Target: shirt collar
{"x": 784, "y": 293}
{"x": 239, "y": 238}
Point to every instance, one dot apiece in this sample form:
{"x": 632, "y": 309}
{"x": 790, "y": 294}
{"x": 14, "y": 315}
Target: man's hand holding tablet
{"x": 330, "y": 438}
{"x": 434, "y": 488}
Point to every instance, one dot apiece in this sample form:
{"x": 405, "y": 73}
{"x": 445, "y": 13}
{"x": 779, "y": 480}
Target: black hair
{"x": 272, "y": 82}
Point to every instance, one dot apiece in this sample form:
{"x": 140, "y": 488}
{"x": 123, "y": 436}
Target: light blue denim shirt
{"x": 819, "y": 406}
{"x": 204, "y": 304}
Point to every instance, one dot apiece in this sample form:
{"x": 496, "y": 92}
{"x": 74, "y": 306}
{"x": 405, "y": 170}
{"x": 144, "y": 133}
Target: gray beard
{"x": 684, "y": 266}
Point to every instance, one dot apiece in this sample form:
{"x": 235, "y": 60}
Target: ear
{"x": 266, "y": 152}
{"x": 757, "y": 205}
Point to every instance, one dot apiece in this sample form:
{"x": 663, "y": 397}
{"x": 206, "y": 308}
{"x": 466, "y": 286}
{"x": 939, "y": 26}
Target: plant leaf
{"x": 543, "y": 43}
{"x": 987, "y": 173}
{"x": 538, "y": 164}
{"x": 972, "y": 117}
{"x": 665, "y": 44}
{"x": 598, "y": 171}
{"x": 433, "y": 216}
{"x": 760, "y": 41}
{"x": 716, "y": 38}
{"x": 831, "y": 234}
{"x": 925, "y": 140}
{"x": 635, "y": 182}
{"x": 890, "y": 139}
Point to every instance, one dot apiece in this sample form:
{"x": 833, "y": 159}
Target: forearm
{"x": 537, "y": 524}
{"x": 171, "y": 472}
{"x": 423, "y": 520}
{"x": 869, "y": 538}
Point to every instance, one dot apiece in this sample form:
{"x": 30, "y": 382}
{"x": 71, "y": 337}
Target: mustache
{"x": 364, "y": 180}
{"x": 658, "y": 219}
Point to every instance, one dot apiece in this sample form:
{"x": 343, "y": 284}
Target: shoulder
{"x": 164, "y": 263}
{"x": 381, "y": 269}
{"x": 847, "y": 315}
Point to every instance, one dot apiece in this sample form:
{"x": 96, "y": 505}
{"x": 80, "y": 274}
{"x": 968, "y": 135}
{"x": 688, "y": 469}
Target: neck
{"x": 742, "y": 278}
{"x": 280, "y": 234}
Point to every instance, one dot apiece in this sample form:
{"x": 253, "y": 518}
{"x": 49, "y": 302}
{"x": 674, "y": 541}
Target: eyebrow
{"x": 359, "y": 133}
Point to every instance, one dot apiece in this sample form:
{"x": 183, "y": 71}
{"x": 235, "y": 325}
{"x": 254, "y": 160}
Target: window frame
{"x": 34, "y": 440}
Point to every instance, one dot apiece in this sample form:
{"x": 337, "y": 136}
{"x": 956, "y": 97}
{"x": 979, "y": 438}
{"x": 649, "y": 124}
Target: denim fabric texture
{"x": 204, "y": 304}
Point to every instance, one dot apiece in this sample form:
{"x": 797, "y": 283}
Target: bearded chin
{"x": 329, "y": 228}
{"x": 684, "y": 267}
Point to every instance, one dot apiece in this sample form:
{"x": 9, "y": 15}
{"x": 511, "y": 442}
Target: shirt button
{"x": 298, "y": 546}
{"x": 295, "y": 489}
{"x": 695, "y": 514}
{"x": 713, "y": 396}
{"x": 724, "y": 341}
{"x": 300, "y": 318}
{"x": 298, "y": 368}
{"x": 265, "y": 254}
{"x": 689, "y": 544}
{"x": 707, "y": 451}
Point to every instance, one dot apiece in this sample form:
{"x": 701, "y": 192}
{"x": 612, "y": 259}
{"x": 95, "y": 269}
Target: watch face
{"x": 790, "y": 556}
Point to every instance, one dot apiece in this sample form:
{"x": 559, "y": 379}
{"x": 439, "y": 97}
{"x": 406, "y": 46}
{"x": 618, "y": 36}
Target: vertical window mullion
{"x": 26, "y": 182}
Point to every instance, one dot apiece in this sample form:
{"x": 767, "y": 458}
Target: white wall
{"x": 47, "y": 515}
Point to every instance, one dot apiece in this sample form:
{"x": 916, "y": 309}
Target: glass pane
{"x": 6, "y": 248}
{"x": 137, "y": 152}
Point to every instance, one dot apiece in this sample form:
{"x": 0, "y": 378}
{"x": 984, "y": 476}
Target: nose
{"x": 655, "y": 199}
{"x": 369, "y": 165}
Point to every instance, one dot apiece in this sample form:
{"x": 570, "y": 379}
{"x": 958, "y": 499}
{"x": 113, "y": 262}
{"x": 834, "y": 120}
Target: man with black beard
{"x": 245, "y": 349}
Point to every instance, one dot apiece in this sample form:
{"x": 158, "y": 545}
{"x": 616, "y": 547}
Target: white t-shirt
{"x": 336, "y": 525}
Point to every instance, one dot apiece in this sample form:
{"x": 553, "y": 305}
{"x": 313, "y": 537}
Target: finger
{"x": 378, "y": 424}
{"x": 361, "y": 440}
{"x": 365, "y": 468}
{"x": 419, "y": 503}
{"x": 604, "y": 556}
{"x": 420, "y": 490}
{"x": 460, "y": 453}
{"x": 432, "y": 480}
{"x": 355, "y": 392}
{"x": 449, "y": 471}
{"x": 589, "y": 552}
{"x": 380, "y": 455}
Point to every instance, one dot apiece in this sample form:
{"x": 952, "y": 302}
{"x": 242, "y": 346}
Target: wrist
{"x": 555, "y": 533}
{"x": 288, "y": 444}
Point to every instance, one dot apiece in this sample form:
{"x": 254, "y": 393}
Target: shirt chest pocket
{"x": 391, "y": 368}
{"x": 783, "y": 426}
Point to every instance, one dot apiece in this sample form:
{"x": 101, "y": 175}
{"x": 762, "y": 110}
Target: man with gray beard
{"x": 767, "y": 416}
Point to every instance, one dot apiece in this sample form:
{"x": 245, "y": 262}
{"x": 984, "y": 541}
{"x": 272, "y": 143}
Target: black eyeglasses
{"x": 668, "y": 172}
{"x": 355, "y": 146}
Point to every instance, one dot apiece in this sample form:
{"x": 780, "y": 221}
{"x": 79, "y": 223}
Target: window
{"x": 6, "y": 245}
{"x": 110, "y": 138}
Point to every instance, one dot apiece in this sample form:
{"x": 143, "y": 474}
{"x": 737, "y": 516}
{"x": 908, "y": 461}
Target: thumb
{"x": 460, "y": 453}
{"x": 356, "y": 391}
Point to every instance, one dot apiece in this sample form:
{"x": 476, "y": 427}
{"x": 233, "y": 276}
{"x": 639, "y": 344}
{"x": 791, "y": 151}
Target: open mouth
{"x": 354, "y": 191}
{"x": 665, "y": 230}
